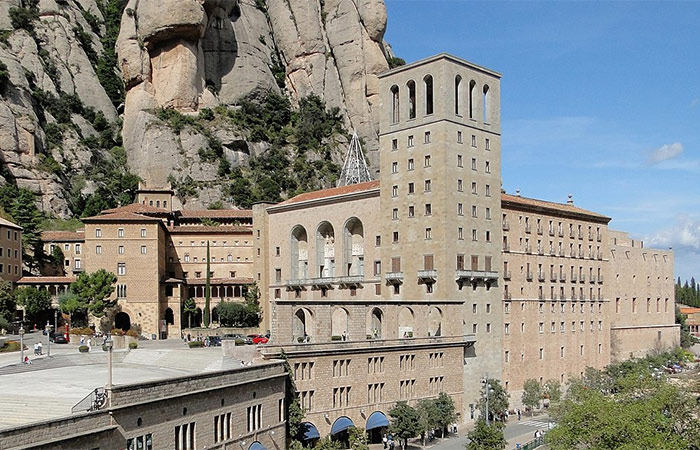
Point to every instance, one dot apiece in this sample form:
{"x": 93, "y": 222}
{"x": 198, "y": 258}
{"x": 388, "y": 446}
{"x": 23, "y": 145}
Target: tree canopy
{"x": 93, "y": 291}
{"x": 8, "y": 305}
{"x": 532, "y": 393}
{"x": 498, "y": 399}
{"x": 405, "y": 422}
{"x": 35, "y": 301}
{"x": 487, "y": 437}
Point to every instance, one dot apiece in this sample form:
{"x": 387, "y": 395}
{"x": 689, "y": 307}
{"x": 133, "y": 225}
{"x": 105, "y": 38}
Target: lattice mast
{"x": 355, "y": 168}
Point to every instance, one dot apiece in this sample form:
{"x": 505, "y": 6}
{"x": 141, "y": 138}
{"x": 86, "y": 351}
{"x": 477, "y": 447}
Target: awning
{"x": 341, "y": 424}
{"x": 377, "y": 420}
{"x": 256, "y": 446}
{"x": 308, "y": 431}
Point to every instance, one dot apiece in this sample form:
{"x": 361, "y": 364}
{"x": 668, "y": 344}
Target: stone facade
{"x": 10, "y": 251}
{"x": 222, "y": 409}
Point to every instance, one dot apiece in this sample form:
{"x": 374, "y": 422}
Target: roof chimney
{"x": 517, "y": 192}
{"x": 570, "y": 201}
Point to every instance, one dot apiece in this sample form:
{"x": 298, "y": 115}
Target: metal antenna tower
{"x": 354, "y": 168}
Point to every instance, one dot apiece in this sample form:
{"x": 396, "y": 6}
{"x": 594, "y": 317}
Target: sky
{"x": 600, "y": 100}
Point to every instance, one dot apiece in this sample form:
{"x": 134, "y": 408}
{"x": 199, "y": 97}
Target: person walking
{"x": 384, "y": 441}
{"x": 519, "y": 414}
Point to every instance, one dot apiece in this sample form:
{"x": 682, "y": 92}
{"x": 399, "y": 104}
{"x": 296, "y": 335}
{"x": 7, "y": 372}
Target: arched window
{"x": 472, "y": 91}
{"x": 411, "y": 85}
{"x": 299, "y": 249}
{"x": 158, "y": 203}
{"x": 301, "y": 325}
{"x": 374, "y": 323}
{"x": 339, "y": 323}
{"x": 435, "y": 322}
{"x": 394, "y": 104}
{"x": 485, "y": 104}
{"x": 353, "y": 248}
{"x": 428, "y": 84}
{"x": 458, "y": 82}
{"x": 325, "y": 250}
{"x": 405, "y": 322}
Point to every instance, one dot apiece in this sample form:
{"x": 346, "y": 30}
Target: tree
{"x": 94, "y": 289}
{"x": 189, "y": 307}
{"x": 486, "y": 437}
{"x": 327, "y": 444}
{"x": 358, "y": 439}
{"x": 552, "y": 391}
{"x": 35, "y": 301}
{"x": 71, "y": 304}
{"x": 57, "y": 258}
{"x": 207, "y": 295}
{"x": 532, "y": 393}
{"x": 498, "y": 399}
{"x": 405, "y": 423}
{"x": 8, "y": 305}
{"x": 446, "y": 414}
{"x": 429, "y": 416}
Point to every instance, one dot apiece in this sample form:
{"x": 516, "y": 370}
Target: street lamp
{"x": 48, "y": 339}
{"x": 55, "y": 320}
{"x": 108, "y": 344}
{"x": 487, "y": 388}
{"x": 21, "y": 343}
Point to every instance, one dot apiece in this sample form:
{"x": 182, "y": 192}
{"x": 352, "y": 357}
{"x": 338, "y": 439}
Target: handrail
{"x": 95, "y": 400}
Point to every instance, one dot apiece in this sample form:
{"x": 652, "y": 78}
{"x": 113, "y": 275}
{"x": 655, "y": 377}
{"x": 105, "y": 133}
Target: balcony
{"x": 321, "y": 282}
{"x": 473, "y": 275}
{"x": 528, "y": 276}
{"x": 506, "y": 225}
{"x": 573, "y": 278}
{"x": 506, "y": 274}
{"x": 427, "y": 275}
{"x": 394, "y": 277}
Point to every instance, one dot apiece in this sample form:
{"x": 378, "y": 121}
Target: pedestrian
{"x": 36, "y": 348}
{"x": 519, "y": 414}
{"x": 82, "y": 340}
{"x": 27, "y": 361}
{"x": 89, "y": 343}
{"x": 41, "y": 348}
{"x": 384, "y": 441}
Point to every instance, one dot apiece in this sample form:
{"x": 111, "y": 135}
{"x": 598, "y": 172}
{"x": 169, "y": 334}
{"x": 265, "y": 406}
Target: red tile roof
{"x": 237, "y": 280}
{"x": 205, "y": 229}
{"x": 216, "y": 213}
{"x": 689, "y": 310}
{"x": 7, "y": 223}
{"x": 332, "y": 192}
{"x": 63, "y": 236}
{"x": 46, "y": 280}
{"x": 121, "y": 217}
{"x": 136, "y": 208}
{"x": 564, "y": 207}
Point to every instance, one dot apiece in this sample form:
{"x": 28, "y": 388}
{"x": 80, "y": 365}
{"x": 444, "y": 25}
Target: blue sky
{"x": 598, "y": 99}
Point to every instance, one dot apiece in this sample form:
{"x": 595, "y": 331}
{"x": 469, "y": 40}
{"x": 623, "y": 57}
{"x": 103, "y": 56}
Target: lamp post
{"x": 48, "y": 339}
{"x": 108, "y": 344}
{"x": 487, "y": 387}
{"x": 21, "y": 343}
{"x": 55, "y": 320}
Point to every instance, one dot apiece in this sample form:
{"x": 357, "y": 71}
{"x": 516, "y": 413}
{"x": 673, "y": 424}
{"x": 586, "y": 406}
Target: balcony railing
{"x": 583, "y": 278}
{"x": 394, "y": 277}
{"x": 427, "y": 274}
{"x": 334, "y": 346}
{"x": 528, "y": 229}
{"x": 573, "y": 278}
{"x": 325, "y": 281}
{"x": 562, "y": 277}
{"x": 506, "y": 225}
{"x": 469, "y": 275}
{"x": 540, "y": 277}
{"x": 506, "y": 274}
{"x": 553, "y": 277}
{"x": 529, "y": 276}
{"x": 600, "y": 278}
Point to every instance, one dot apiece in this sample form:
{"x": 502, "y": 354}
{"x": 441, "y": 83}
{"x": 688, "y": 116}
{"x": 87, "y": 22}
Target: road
{"x": 516, "y": 431}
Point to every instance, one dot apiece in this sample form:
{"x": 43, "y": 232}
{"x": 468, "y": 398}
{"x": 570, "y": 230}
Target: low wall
{"x": 194, "y": 332}
{"x": 637, "y": 341}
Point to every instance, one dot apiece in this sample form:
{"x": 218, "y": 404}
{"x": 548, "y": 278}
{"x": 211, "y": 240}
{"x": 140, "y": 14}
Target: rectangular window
{"x": 98, "y": 232}
{"x": 395, "y": 237}
{"x": 120, "y": 250}
{"x": 121, "y": 268}
{"x": 460, "y": 209}
{"x": 459, "y": 161}
{"x": 410, "y": 164}
{"x": 488, "y": 190}
{"x": 143, "y": 232}
{"x": 377, "y": 268}
{"x": 394, "y": 167}
{"x": 411, "y": 211}
{"x": 474, "y": 211}
{"x": 487, "y": 167}
{"x": 394, "y": 144}
{"x": 98, "y": 250}
{"x": 426, "y": 139}
{"x": 473, "y": 163}
{"x": 120, "y": 232}
{"x": 410, "y": 141}
{"x": 427, "y": 185}
{"x": 428, "y": 233}
{"x": 411, "y": 188}
{"x": 459, "y": 137}
{"x": 488, "y": 144}
{"x": 394, "y": 191}
{"x": 428, "y": 209}
{"x": 460, "y": 233}
{"x": 143, "y": 249}
{"x": 473, "y": 140}
{"x": 474, "y": 190}
{"x": 427, "y": 161}
{"x": 395, "y": 213}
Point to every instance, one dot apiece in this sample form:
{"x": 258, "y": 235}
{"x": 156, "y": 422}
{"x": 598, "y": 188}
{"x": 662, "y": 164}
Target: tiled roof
{"x": 689, "y": 310}
{"x": 46, "y": 280}
{"x": 206, "y": 229}
{"x": 332, "y": 192}
{"x": 237, "y": 280}
{"x": 121, "y": 217}
{"x": 63, "y": 236}
{"x": 215, "y": 213}
{"x": 7, "y": 223}
{"x": 564, "y": 207}
{"x": 136, "y": 208}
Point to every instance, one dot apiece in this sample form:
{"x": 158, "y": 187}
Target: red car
{"x": 258, "y": 339}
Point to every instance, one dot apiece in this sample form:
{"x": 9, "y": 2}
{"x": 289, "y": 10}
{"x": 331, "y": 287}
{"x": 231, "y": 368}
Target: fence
{"x": 532, "y": 444}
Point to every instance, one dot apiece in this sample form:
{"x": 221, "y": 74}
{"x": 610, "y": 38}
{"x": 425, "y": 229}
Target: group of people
{"x": 38, "y": 348}
{"x": 388, "y": 441}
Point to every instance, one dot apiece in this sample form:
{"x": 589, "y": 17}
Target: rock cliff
{"x": 63, "y": 119}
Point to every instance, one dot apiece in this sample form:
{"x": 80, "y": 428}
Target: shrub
{"x": 4, "y": 77}
{"x": 83, "y": 349}
{"x": 23, "y": 18}
{"x": 336, "y": 338}
{"x": 133, "y": 333}
{"x": 86, "y": 330}
{"x": 239, "y": 342}
{"x": 117, "y": 332}
{"x": 133, "y": 345}
{"x": 12, "y": 346}
{"x": 196, "y": 344}
{"x": 300, "y": 339}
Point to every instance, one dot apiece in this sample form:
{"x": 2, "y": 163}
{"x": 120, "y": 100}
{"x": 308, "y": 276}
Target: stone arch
{"x": 353, "y": 247}
{"x": 485, "y": 104}
{"x": 395, "y": 115}
{"x": 302, "y": 324}
{"x": 122, "y": 321}
{"x": 374, "y": 323}
{"x": 411, "y": 87}
{"x": 340, "y": 322}
{"x": 169, "y": 316}
{"x": 428, "y": 91}
{"x": 472, "y": 91}
{"x": 325, "y": 250}
{"x": 434, "y": 321}
{"x": 299, "y": 249}
{"x": 406, "y": 320}
{"x": 458, "y": 93}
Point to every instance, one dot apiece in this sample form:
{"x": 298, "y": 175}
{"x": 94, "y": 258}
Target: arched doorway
{"x": 122, "y": 321}
{"x": 308, "y": 434}
{"x": 169, "y": 316}
{"x": 374, "y": 324}
{"x": 435, "y": 322}
{"x": 325, "y": 250}
{"x": 376, "y": 425}
{"x": 406, "y": 323}
{"x": 339, "y": 430}
{"x": 353, "y": 248}
{"x": 339, "y": 323}
{"x": 301, "y": 325}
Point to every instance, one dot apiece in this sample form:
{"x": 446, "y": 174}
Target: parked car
{"x": 232, "y": 337}
{"x": 214, "y": 341}
{"x": 59, "y": 338}
{"x": 258, "y": 339}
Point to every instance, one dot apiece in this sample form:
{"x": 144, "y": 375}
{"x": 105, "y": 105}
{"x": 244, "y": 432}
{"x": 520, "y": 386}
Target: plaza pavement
{"x": 50, "y": 387}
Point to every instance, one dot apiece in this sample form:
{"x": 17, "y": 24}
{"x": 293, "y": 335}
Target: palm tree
{"x": 189, "y": 307}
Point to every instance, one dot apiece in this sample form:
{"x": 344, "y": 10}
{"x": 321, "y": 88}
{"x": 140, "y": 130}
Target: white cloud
{"x": 666, "y": 151}
{"x": 684, "y": 234}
